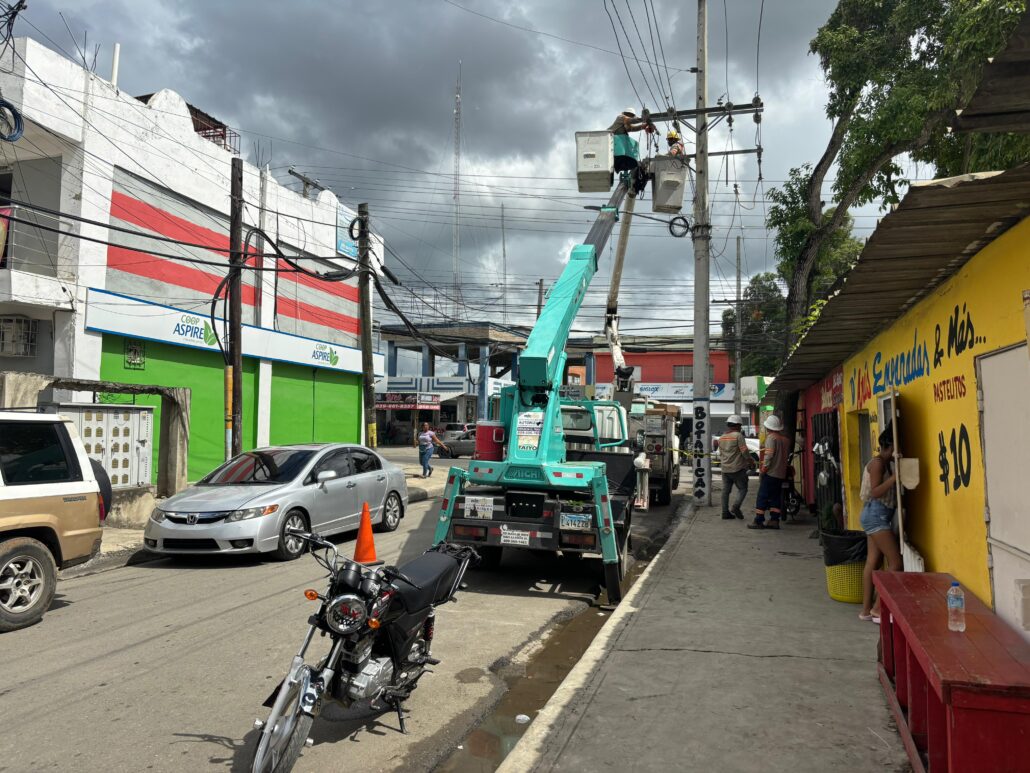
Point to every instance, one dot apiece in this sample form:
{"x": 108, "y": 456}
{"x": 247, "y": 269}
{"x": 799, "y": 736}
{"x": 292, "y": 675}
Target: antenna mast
{"x": 456, "y": 233}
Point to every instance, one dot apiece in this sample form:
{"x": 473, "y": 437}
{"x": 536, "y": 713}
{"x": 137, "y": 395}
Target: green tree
{"x": 897, "y": 71}
{"x": 763, "y": 326}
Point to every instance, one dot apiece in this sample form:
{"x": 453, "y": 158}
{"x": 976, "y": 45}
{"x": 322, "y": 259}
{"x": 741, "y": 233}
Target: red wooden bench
{"x": 961, "y": 699}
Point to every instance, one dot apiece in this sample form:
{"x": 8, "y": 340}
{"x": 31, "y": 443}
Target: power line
{"x": 540, "y": 32}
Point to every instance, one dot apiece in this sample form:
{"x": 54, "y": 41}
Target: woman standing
{"x": 427, "y": 439}
{"x": 877, "y": 519}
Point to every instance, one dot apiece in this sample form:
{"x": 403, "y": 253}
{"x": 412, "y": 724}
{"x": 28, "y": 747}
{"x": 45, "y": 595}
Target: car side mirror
{"x": 325, "y": 475}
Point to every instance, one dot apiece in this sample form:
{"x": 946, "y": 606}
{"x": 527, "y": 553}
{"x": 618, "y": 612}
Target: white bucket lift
{"x": 595, "y": 161}
{"x": 670, "y": 177}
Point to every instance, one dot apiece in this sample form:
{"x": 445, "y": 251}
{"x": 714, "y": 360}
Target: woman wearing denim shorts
{"x": 877, "y": 519}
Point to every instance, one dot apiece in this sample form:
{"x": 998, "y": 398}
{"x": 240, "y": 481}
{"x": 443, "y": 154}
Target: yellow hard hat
{"x": 672, "y": 135}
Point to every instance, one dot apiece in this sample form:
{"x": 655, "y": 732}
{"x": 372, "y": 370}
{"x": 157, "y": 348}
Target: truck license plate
{"x": 576, "y": 521}
{"x": 513, "y": 537}
{"x": 479, "y": 507}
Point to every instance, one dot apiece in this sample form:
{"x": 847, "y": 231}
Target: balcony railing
{"x": 27, "y": 244}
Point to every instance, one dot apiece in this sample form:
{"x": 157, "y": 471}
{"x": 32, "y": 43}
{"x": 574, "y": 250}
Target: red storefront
{"x": 820, "y": 458}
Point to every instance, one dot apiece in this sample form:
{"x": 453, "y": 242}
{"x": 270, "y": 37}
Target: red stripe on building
{"x": 174, "y": 273}
{"x": 164, "y": 223}
{"x": 169, "y": 272}
{"x": 309, "y": 313}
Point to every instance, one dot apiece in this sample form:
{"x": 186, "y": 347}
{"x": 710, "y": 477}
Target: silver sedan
{"x": 250, "y": 503}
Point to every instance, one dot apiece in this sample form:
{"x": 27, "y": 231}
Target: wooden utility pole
{"x": 701, "y": 236}
{"x": 737, "y": 404}
{"x": 365, "y": 296}
{"x": 539, "y": 297}
{"x": 234, "y": 371}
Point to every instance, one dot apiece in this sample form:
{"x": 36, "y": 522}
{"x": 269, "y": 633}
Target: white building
{"x": 104, "y": 310}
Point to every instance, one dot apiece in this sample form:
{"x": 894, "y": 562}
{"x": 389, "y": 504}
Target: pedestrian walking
{"x": 879, "y": 497}
{"x": 735, "y": 462}
{"x": 773, "y": 471}
{"x": 427, "y": 441}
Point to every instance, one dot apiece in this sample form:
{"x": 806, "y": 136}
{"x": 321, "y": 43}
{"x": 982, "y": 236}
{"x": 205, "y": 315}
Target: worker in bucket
{"x": 675, "y": 143}
{"x": 626, "y": 149}
{"x": 626, "y": 122}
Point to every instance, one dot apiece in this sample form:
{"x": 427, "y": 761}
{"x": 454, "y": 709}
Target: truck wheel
{"x": 489, "y": 557}
{"x": 675, "y": 473}
{"x": 28, "y": 580}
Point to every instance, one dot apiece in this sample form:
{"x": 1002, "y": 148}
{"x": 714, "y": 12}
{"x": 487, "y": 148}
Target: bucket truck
{"x": 544, "y": 492}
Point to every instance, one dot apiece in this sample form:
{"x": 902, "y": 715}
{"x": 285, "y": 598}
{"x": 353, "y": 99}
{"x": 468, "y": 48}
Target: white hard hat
{"x": 735, "y": 419}
{"x": 630, "y": 111}
{"x": 773, "y": 423}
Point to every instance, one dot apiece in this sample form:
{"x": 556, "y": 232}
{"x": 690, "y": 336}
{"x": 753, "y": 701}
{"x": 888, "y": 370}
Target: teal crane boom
{"x": 538, "y": 497}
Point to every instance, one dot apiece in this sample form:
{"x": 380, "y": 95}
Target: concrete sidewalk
{"x": 727, "y": 655}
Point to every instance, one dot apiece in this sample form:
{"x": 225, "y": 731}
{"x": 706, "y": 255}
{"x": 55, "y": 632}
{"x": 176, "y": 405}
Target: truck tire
{"x": 489, "y": 557}
{"x": 28, "y": 574}
{"x": 675, "y": 473}
{"x": 663, "y": 496}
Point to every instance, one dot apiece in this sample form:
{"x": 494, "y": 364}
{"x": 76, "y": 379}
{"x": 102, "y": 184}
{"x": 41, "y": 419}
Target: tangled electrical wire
{"x": 221, "y": 291}
{"x": 12, "y": 126}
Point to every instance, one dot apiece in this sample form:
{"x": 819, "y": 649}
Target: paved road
{"x": 163, "y": 666}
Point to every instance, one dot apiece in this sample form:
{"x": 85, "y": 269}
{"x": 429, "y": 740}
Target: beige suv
{"x": 53, "y": 501}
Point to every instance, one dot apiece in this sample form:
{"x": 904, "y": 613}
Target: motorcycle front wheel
{"x": 279, "y": 747}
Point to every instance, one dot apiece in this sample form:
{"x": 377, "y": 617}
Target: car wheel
{"x": 291, "y": 547}
{"x": 28, "y": 579}
{"x": 392, "y": 513}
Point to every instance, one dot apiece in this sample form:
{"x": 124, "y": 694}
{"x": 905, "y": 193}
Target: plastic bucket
{"x": 490, "y": 441}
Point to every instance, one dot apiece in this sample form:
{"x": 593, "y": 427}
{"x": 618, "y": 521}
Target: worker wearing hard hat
{"x": 626, "y": 122}
{"x": 775, "y": 458}
{"x": 734, "y": 462}
{"x": 675, "y": 143}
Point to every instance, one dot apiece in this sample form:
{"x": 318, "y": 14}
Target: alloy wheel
{"x": 294, "y": 522}
{"x": 21, "y": 584}
{"x": 392, "y": 512}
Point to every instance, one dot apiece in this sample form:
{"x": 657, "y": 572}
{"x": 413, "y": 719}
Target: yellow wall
{"x": 928, "y": 356}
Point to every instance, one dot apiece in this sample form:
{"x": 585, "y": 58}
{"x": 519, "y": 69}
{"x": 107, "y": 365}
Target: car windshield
{"x": 261, "y": 467}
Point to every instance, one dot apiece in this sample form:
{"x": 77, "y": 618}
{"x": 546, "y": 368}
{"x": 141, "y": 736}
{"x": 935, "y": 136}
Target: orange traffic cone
{"x": 365, "y": 547}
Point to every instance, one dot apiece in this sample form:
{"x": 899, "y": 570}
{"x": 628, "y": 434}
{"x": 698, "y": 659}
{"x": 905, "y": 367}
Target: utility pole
{"x": 539, "y": 297}
{"x": 234, "y": 371}
{"x": 701, "y": 236}
{"x": 456, "y": 233}
{"x": 365, "y": 296}
{"x": 739, "y": 330}
{"x": 504, "y": 272}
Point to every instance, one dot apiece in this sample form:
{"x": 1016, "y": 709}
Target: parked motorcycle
{"x": 379, "y": 620}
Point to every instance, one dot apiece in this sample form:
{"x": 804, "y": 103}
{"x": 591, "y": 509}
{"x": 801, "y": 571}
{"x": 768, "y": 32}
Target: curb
{"x": 531, "y": 747}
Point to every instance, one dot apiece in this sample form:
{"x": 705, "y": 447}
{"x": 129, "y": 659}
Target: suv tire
{"x": 104, "y": 482}
{"x": 25, "y": 564}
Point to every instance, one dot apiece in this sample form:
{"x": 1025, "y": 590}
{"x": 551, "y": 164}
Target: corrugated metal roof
{"x": 1001, "y": 102}
{"x": 939, "y": 225}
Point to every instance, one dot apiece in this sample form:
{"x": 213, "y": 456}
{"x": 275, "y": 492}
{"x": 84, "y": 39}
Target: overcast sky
{"x": 361, "y": 96}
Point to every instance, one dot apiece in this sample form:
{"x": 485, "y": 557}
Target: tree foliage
{"x": 763, "y": 329}
{"x": 897, "y": 70}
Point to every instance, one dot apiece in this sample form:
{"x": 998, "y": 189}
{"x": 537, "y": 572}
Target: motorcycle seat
{"x": 434, "y": 572}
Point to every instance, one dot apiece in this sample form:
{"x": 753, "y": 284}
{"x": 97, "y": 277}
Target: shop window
{"x": 135, "y": 352}
{"x": 684, "y": 374}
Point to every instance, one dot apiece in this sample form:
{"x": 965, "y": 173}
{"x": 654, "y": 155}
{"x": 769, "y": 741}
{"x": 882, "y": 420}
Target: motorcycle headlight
{"x": 158, "y": 515}
{"x": 251, "y": 512}
{"x": 346, "y": 614}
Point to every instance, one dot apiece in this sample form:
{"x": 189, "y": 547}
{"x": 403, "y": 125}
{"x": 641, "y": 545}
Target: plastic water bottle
{"x": 956, "y": 608}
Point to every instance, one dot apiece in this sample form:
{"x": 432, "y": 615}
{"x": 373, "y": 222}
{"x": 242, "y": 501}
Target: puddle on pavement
{"x": 486, "y": 746}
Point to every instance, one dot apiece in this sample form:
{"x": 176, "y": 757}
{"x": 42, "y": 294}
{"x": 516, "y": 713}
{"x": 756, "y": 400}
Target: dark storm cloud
{"x": 376, "y": 80}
